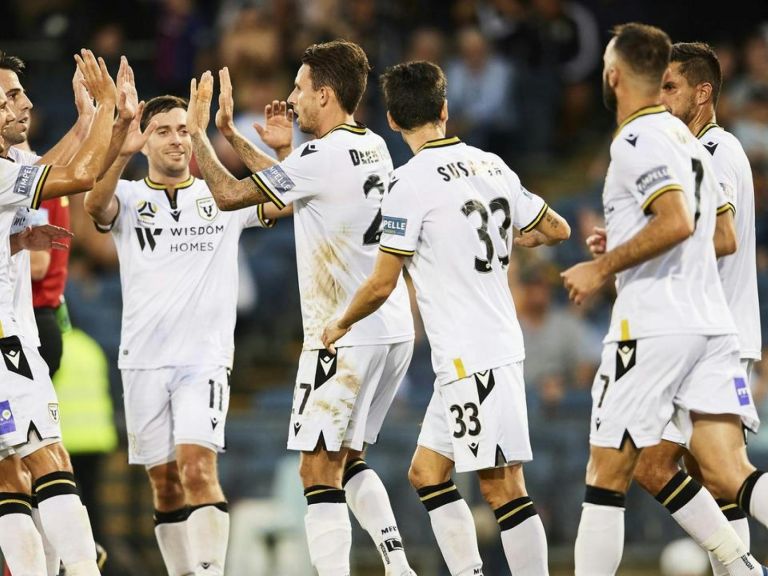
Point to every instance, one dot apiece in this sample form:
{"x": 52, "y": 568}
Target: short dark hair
{"x": 414, "y": 93}
{"x": 12, "y": 63}
{"x": 644, "y": 48}
{"x": 342, "y": 66}
{"x": 698, "y": 64}
{"x": 160, "y": 104}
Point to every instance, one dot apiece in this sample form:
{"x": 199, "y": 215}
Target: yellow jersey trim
{"x": 178, "y": 186}
{"x": 535, "y": 221}
{"x": 656, "y": 109}
{"x": 659, "y": 192}
{"x": 439, "y": 143}
{"x": 359, "y": 130}
{"x": 706, "y": 128}
{"x": 264, "y": 188}
{"x": 624, "y": 329}
{"x": 37, "y": 197}
{"x": 459, "y": 365}
{"x": 396, "y": 251}
{"x": 725, "y": 207}
{"x": 266, "y": 222}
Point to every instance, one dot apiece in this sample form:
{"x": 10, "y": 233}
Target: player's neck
{"x": 706, "y": 115}
{"x": 168, "y": 180}
{"x": 331, "y": 121}
{"x": 631, "y": 103}
{"x": 420, "y": 136}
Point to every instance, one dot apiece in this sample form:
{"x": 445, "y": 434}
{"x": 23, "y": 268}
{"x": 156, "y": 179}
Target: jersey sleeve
{"x": 527, "y": 208}
{"x": 726, "y": 174}
{"x": 302, "y": 175}
{"x": 401, "y": 221}
{"x": 21, "y": 184}
{"x": 253, "y": 217}
{"x": 644, "y": 169}
{"x": 121, "y": 195}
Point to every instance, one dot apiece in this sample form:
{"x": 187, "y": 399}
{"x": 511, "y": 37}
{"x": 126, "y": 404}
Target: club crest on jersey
{"x": 207, "y": 208}
{"x": 53, "y": 412}
{"x": 651, "y": 178}
{"x": 146, "y": 212}
{"x": 392, "y": 225}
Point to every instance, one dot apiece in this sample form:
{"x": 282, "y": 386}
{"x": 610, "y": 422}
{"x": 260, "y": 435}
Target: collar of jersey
{"x": 657, "y": 109}
{"x": 439, "y": 143}
{"x": 360, "y": 130}
{"x": 707, "y": 127}
{"x": 155, "y": 186}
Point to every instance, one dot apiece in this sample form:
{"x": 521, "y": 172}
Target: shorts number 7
{"x": 307, "y": 389}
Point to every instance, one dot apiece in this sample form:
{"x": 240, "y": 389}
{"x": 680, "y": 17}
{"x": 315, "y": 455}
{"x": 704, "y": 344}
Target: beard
{"x": 13, "y": 135}
{"x": 609, "y": 96}
{"x": 687, "y": 114}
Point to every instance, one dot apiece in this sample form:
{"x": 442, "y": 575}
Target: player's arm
{"x": 228, "y": 192}
{"x": 277, "y": 134}
{"x": 550, "y": 229}
{"x": 100, "y": 202}
{"x": 63, "y": 151}
{"x": 670, "y": 224}
{"x": 272, "y": 212}
{"x": 81, "y": 172}
{"x": 39, "y": 261}
{"x": 40, "y": 238}
{"x": 368, "y": 298}
{"x": 725, "y": 232}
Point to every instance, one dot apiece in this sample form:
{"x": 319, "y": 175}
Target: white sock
{"x": 52, "y": 560}
{"x": 65, "y": 523}
{"x": 753, "y": 497}
{"x": 600, "y": 539}
{"x": 367, "y": 498}
{"x": 208, "y": 534}
{"x": 329, "y": 532}
{"x": 454, "y": 528}
{"x": 173, "y": 541}
{"x": 20, "y": 541}
{"x": 738, "y": 521}
{"x": 523, "y": 538}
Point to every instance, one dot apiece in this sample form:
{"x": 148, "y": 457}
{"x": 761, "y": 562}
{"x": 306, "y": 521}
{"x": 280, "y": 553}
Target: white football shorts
{"x": 480, "y": 421}
{"x": 343, "y": 399}
{"x": 28, "y": 402}
{"x": 176, "y": 405}
{"x": 644, "y": 384}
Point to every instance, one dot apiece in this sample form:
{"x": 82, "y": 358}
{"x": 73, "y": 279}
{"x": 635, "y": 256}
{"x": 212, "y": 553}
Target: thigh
{"x": 148, "y": 416}
{"x": 634, "y": 388}
{"x": 200, "y": 402}
{"x": 435, "y": 433}
{"x": 717, "y": 384}
{"x": 27, "y": 399}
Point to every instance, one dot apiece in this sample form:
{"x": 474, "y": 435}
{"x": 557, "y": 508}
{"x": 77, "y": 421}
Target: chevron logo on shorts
{"x": 325, "y": 369}
{"x": 474, "y": 447}
{"x": 13, "y": 355}
{"x": 485, "y": 382}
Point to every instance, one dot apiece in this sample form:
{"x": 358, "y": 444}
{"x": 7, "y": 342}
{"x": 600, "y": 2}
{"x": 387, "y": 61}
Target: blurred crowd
{"x": 523, "y": 81}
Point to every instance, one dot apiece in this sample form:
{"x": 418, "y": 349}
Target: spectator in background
{"x": 426, "y": 44}
{"x": 480, "y": 88}
{"x": 561, "y": 350}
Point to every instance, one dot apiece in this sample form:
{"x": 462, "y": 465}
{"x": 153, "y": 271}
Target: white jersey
{"x": 336, "y": 184}
{"x": 738, "y": 271}
{"x": 679, "y": 291}
{"x": 449, "y": 209}
{"x": 179, "y": 276}
{"x": 21, "y": 272}
{"x": 20, "y": 187}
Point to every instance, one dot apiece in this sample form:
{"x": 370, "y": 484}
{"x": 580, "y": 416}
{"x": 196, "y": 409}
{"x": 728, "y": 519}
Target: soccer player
{"x": 671, "y": 351}
{"x": 447, "y": 218}
{"x": 29, "y": 417}
{"x": 178, "y": 269}
{"x": 335, "y": 183}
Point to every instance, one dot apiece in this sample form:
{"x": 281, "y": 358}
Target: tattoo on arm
{"x": 249, "y": 153}
{"x": 229, "y": 192}
{"x": 552, "y": 221}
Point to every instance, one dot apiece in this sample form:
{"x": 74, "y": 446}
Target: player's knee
{"x": 197, "y": 475}
{"x": 725, "y": 484}
{"x": 420, "y": 475}
{"x": 48, "y": 459}
{"x": 167, "y": 489}
{"x": 653, "y": 478}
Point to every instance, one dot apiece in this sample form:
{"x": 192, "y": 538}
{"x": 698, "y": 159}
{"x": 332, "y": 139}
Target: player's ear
{"x": 703, "y": 92}
{"x": 392, "y": 124}
{"x": 324, "y": 95}
{"x": 444, "y": 112}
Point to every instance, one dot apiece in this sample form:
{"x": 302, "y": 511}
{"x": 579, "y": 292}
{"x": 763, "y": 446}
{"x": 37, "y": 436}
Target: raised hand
{"x": 199, "y": 110}
{"x": 277, "y": 133}
{"x": 96, "y": 78}
{"x": 83, "y": 100}
{"x": 128, "y": 100}
{"x": 225, "y": 115}
{"x": 45, "y": 237}
{"x": 135, "y": 139}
